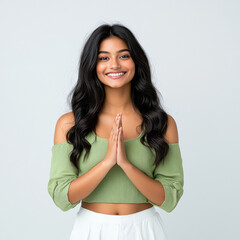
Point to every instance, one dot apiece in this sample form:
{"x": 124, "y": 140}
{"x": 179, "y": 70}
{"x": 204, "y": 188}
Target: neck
{"x": 118, "y": 100}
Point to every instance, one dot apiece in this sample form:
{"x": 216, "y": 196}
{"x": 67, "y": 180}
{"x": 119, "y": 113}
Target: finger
{"x": 121, "y": 133}
{"x": 118, "y": 122}
{"x": 117, "y": 136}
{"x": 114, "y": 121}
{"x": 120, "y": 119}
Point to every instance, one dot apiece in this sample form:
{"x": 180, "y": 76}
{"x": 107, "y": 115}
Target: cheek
{"x": 132, "y": 66}
{"x": 99, "y": 68}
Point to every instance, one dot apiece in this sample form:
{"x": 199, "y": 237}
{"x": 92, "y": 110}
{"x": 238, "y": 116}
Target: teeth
{"x": 115, "y": 74}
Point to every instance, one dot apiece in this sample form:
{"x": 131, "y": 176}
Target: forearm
{"x": 151, "y": 189}
{"x": 85, "y": 184}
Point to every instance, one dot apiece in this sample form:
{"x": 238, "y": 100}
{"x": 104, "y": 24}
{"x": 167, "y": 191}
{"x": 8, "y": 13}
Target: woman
{"x": 118, "y": 150}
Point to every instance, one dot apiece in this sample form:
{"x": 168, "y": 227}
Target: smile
{"x": 116, "y": 75}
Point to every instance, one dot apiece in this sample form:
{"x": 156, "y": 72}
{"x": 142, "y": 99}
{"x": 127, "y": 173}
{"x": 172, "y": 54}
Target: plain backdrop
{"x": 193, "y": 50}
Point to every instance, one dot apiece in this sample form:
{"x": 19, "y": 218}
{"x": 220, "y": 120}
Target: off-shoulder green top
{"x": 116, "y": 187}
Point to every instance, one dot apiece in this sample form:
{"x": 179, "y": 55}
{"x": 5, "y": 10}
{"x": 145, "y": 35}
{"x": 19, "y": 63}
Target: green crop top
{"x": 116, "y": 187}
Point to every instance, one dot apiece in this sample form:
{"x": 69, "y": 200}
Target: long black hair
{"x": 88, "y": 95}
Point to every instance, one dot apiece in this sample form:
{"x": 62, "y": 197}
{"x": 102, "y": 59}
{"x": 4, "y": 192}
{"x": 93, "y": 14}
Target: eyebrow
{"x": 122, "y": 50}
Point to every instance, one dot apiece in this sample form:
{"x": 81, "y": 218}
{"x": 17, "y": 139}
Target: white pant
{"x": 144, "y": 225}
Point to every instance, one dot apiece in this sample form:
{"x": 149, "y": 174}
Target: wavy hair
{"x": 88, "y": 95}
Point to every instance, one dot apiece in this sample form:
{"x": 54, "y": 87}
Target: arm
{"x": 171, "y": 176}
{"x": 166, "y": 188}
{"x": 64, "y": 185}
{"x": 150, "y": 188}
{"x": 85, "y": 184}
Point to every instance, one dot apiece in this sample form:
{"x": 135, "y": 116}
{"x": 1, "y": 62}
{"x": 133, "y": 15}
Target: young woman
{"x": 118, "y": 150}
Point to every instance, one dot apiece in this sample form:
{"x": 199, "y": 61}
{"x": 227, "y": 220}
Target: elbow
{"x": 173, "y": 194}
{"x": 59, "y": 195}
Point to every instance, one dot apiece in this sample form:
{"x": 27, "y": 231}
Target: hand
{"x": 121, "y": 154}
{"x": 111, "y": 155}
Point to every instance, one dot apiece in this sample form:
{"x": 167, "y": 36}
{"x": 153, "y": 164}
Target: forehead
{"x": 112, "y": 44}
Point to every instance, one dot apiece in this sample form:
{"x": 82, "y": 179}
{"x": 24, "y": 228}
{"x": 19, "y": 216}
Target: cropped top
{"x": 116, "y": 187}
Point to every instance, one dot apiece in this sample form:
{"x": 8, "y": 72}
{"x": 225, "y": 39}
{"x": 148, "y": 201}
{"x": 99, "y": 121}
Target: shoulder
{"x": 63, "y": 125}
{"x": 171, "y": 134}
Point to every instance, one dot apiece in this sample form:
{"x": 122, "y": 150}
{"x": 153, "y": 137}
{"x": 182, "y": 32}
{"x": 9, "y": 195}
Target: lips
{"x": 115, "y": 72}
{"x": 116, "y": 76}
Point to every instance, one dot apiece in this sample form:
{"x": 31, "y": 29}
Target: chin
{"x": 119, "y": 85}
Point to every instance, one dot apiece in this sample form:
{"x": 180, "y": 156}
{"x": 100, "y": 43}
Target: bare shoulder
{"x": 64, "y": 123}
{"x": 171, "y": 134}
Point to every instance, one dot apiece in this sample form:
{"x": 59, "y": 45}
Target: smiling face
{"x": 115, "y": 66}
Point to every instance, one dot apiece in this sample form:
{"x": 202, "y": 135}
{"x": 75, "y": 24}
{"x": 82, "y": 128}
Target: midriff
{"x": 116, "y": 208}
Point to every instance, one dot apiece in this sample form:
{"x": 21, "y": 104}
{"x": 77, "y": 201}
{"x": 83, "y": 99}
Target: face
{"x": 115, "y": 67}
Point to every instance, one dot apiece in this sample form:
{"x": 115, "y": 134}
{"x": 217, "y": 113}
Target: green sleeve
{"x": 171, "y": 176}
{"x": 62, "y": 173}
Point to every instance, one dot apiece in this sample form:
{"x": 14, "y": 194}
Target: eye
{"x": 125, "y": 56}
{"x": 102, "y": 58}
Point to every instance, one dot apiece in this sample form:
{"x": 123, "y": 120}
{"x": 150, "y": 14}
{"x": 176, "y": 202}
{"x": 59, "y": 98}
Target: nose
{"x": 114, "y": 64}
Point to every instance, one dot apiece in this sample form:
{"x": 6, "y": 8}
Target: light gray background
{"x": 193, "y": 49}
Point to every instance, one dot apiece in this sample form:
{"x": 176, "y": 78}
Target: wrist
{"x": 125, "y": 165}
{"x": 106, "y": 163}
